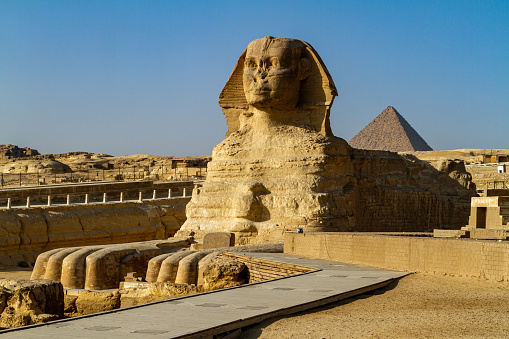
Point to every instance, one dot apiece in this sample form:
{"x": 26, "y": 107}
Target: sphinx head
{"x": 273, "y": 71}
{"x": 279, "y": 75}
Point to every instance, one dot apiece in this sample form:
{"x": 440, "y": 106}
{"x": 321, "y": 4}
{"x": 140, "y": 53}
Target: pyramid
{"x": 389, "y": 131}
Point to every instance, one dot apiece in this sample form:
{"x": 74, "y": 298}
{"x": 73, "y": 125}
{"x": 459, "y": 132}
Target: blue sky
{"x": 128, "y": 77}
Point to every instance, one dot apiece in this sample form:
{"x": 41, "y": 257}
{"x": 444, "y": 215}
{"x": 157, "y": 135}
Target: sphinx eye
{"x": 274, "y": 62}
{"x": 250, "y": 63}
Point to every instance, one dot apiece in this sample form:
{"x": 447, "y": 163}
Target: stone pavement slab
{"x": 207, "y": 314}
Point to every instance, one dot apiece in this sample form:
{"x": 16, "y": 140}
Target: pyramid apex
{"x": 390, "y": 109}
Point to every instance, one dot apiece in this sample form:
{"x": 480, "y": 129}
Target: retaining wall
{"x": 27, "y": 232}
{"x": 460, "y": 257}
{"x": 262, "y": 270}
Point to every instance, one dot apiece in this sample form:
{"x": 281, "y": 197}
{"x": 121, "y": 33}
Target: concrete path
{"x": 221, "y": 311}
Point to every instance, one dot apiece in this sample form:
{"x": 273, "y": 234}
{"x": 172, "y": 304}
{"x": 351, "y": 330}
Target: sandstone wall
{"x": 261, "y": 270}
{"x": 460, "y": 257}
{"x": 24, "y": 233}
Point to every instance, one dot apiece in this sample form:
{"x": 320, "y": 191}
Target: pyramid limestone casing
{"x": 389, "y": 131}
{"x": 280, "y": 167}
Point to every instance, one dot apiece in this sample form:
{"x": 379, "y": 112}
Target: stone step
{"x": 437, "y": 233}
{"x": 493, "y": 234}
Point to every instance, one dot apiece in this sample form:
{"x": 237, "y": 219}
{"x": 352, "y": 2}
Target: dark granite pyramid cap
{"x": 389, "y": 131}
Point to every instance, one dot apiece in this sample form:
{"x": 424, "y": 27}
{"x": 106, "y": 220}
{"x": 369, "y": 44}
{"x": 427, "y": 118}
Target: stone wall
{"x": 262, "y": 270}
{"x": 460, "y": 257}
{"x": 24, "y": 233}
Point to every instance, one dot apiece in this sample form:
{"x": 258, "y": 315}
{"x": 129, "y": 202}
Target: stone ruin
{"x": 489, "y": 218}
{"x": 280, "y": 167}
{"x": 13, "y": 151}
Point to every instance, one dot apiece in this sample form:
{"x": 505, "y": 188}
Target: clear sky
{"x": 127, "y": 77}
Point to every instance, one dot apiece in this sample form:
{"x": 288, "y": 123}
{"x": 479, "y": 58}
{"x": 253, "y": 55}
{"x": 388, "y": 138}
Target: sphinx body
{"x": 281, "y": 168}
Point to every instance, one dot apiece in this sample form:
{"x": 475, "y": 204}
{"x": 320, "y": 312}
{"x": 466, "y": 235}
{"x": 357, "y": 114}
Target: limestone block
{"x": 224, "y": 273}
{"x": 202, "y": 265}
{"x": 437, "y": 233}
{"x": 156, "y": 291}
{"x": 494, "y": 234}
{"x": 89, "y": 302}
{"x": 30, "y": 302}
{"x": 218, "y": 239}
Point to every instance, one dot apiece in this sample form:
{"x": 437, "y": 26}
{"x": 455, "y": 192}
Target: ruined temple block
{"x": 489, "y": 216}
{"x": 218, "y": 239}
{"x": 490, "y": 212}
{"x": 280, "y": 167}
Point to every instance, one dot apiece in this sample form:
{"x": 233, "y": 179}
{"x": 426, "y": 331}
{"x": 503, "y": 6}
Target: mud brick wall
{"x": 458, "y": 257}
{"x": 262, "y": 270}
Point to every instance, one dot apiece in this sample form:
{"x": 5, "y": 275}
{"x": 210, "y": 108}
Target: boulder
{"x": 224, "y": 273}
{"x": 30, "y": 302}
{"x": 89, "y": 302}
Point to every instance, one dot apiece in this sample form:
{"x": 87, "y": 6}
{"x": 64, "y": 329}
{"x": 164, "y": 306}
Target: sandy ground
{"x": 15, "y": 272}
{"x": 418, "y": 306}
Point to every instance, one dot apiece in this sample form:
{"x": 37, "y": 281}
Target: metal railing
{"x": 131, "y": 173}
{"x": 496, "y": 185}
{"x": 96, "y": 198}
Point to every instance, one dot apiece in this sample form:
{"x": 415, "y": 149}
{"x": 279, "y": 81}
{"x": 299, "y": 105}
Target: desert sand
{"x": 417, "y": 306}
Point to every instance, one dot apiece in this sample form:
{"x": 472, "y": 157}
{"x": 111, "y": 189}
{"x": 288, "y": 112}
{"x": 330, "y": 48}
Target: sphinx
{"x": 280, "y": 167}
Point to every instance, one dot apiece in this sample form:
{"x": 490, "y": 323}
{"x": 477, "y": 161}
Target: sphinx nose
{"x": 261, "y": 72}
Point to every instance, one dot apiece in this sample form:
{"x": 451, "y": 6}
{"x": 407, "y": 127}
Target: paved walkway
{"x": 225, "y": 310}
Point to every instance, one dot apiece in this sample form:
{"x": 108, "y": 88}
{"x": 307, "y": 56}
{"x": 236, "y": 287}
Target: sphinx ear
{"x": 304, "y": 68}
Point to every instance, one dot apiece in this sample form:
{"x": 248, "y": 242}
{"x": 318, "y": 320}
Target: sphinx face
{"x": 271, "y": 73}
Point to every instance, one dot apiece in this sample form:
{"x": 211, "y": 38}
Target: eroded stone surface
{"x": 30, "y": 302}
{"x": 280, "y": 167}
{"x": 25, "y": 233}
{"x": 101, "y": 267}
{"x": 89, "y": 302}
{"x": 223, "y": 273}
{"x": 218, "y": 239}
